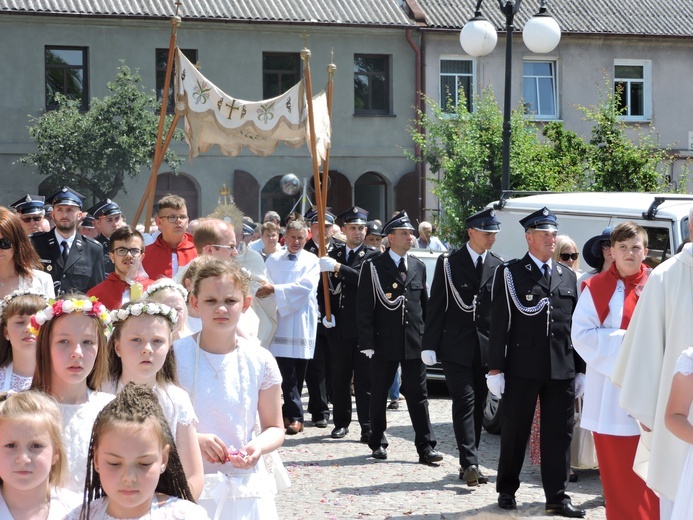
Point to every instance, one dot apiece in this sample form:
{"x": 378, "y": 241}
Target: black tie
{"x": 402, "y": 269}
{"x": 350, "y": 257}
{"x": 292, "y": 257}
{"x": 65, "y": 252}
{"x": 479, "y": 266}
{"x": 547, "y": 273}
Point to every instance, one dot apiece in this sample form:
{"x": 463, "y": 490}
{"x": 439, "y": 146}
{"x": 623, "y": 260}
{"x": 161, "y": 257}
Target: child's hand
{"x": 246, "y": 457}
{"x": 213, "y": 448}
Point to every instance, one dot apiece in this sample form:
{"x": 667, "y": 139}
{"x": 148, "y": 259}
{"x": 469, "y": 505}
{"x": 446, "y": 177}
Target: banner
{"x": 213, "y": 117}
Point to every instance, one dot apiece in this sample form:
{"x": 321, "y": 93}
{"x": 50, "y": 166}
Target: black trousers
{"x": 346, "y": 360}
{"x": 293, "y": 371}
{"x": 317, "y": 380}
{"x": 415, "y": 392}
{"x": 556, "y": 431}
{"x": 467, "y": 388}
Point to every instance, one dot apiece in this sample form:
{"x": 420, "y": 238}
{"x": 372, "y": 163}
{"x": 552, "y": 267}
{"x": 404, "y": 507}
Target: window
{"x": 371, "y": 84}
{"x": 632, "y": 84}
{"x": 67, "y": 74}
{"x": 280, "y": 72}
{"x": 456, "y": 75}
{"x": 161, "y": 57}
{"x": 539, "y": 89}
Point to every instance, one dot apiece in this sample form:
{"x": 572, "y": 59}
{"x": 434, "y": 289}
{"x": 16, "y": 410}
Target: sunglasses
{"x": 606, "y": 245}
{"x": 569, "y": 256}
{"x": 5, "y": 243}
{"x": 26, "y": 220}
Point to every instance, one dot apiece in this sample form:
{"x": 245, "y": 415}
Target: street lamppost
{"x": 478, "y": 38}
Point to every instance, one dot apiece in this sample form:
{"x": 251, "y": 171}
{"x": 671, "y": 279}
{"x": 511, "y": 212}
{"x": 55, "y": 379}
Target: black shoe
{"x": 573, "y": 477}
{"x": 380, "y": 453}
{"x": 429, "y": 456}
{"x": 322, "y": 423}
{"x": 394, "y": 405}
{"x": 365, "y": 436}
{"x": 507, "y": 501}
{"x": 339, "y": 433}
{"x": 470, "y": 475}
{"x": 567, "y": 510}
{"x": 483, "y": 479}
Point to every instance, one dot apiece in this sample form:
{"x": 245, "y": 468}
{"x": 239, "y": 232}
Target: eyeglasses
{"x": 174, "y": 218}
{"x": 606, "y": 245}
{"x": 569, "y": 256}
{"x": 5, "y": 243}
{"x": 219, "y": 246}
{"x": 123, "y": 251}
{"x": 26, "y": 220}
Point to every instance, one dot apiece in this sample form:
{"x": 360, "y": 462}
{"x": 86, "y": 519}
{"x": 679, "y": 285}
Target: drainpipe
{"x": 418, "y": 106}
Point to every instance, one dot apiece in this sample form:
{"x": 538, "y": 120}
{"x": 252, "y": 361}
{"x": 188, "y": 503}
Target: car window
{"x": 659, "y": 245}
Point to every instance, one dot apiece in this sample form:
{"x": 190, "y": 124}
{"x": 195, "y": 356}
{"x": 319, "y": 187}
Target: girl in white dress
{"x": 32, "y": 459}
{"x": 134, "y": 470}
{"x": 166, "y": 290}
{"x": 71, "y": 365}
{"x": 677, "y": 421}
{"x": 232, "y": 382}
{"x": 17, "y": 342}
{"x": 139, "y": 350}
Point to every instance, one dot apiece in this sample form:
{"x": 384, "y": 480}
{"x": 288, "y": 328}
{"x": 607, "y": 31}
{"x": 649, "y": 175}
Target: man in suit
{"x": 530, "y": 355}
{"x": 344, "y": 264}
{"x": 107, "y": 218}
{"x": 74, "y": 261}
{"x": 31, "y": 210}
{"x": 456, "y": 333}
{"x": 391, "y": 308}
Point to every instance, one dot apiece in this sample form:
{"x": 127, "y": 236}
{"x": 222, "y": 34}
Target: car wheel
{"x": 492, "y": 417}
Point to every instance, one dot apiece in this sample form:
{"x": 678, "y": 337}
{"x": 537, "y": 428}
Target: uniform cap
{"x": 29, "y": 204}
{"x": 67, "y": 197}
{"x": 87, "y": 222}
{"x": 354, "y": 215}
{"x": 399, "y": 221}
{"x": 543, "y": 219}
{"x": 104, "y": 208}
{"x": 373, "y": 228}
{"x": 484, "y": 220}
{"x": 312, "y": 216}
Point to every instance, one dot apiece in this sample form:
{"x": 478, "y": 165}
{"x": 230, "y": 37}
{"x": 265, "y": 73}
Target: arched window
{"x": 180, "y": 185}
{"x": 370, "y": 193}
{"x": 273, "y": 198}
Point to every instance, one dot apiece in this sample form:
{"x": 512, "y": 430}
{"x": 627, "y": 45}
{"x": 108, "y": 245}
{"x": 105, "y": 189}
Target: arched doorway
{"x": 370, "y": 193}
{"x": 180, "y": 185}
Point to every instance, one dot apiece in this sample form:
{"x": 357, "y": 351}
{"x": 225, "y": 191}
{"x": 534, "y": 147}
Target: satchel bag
{"x": 583, "y": 454}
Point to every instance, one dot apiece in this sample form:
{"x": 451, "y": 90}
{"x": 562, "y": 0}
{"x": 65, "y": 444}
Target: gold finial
{"x": 224, "y": 191}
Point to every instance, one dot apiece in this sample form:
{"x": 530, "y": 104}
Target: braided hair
{"x": 138, "y": 405}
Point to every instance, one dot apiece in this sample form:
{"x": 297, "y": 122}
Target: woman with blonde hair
{"x": 567, "y": 252}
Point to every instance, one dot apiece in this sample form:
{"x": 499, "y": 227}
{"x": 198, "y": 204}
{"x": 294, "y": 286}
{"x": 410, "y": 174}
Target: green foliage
{"x": 92, "y": 152}
{"x": 617, "y": 163}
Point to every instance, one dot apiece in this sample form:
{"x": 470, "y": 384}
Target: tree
{"x": 93, "y": 152}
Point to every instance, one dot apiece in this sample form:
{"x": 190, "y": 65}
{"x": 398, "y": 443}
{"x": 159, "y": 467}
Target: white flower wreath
{"x": 16, "y": 294}
{"x": 146, "y": 308}
{"x": 165, "y": 284}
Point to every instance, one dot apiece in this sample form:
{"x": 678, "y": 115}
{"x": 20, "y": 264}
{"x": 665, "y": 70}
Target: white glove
{"x": 327, "y": 264}
{"x": 496, "y": 384}
{"x": 329, "y": 324}
{"x": 429, "y": 357}
{"x": 368, "y": 352}
{"x": 579, "y": 385}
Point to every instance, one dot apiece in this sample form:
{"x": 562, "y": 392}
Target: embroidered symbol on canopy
{"x": 266, "y": 112}
{"x": 288, "y": 104}
{"x": 201, "y": 93}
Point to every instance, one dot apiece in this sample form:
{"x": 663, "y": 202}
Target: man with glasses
{"x": 174, "y": 247}
{"x": 126, "y": 253}
{"x": 74, "y": 261}
{"x": 31, "y": 210}
{"x": 107, "y": 218}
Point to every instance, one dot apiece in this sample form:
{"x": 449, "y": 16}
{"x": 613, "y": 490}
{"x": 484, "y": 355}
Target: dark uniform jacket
{"x": 343, "y": 289}
{"x": 392, "y": 328}
{"x": 312, "y": 246}
{"x": 456, "y": 329}
{"x": 83, "y": 269}
{"x": 530, "y": 324}
{"x": 108, "y": 265}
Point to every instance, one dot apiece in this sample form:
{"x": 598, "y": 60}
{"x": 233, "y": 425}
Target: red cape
{"x": 157, "y": 258}
{"x": 110, "y": 291}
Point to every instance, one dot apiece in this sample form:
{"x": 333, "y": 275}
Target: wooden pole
{"x": 160, "y": 147}
{"x": 305, "y": 55}
{"x": 331, "y": 69}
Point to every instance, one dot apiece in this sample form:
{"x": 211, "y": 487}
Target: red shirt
{"x": 157, "y": 258}
{"x": 110, "y": 291}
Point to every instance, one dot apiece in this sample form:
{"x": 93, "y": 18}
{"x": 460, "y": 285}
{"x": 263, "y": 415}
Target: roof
{"x": 347, "y": 12}
{"x": 643, "y": 18}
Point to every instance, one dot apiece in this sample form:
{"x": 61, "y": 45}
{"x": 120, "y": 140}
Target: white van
{"x": 585, "y": 214}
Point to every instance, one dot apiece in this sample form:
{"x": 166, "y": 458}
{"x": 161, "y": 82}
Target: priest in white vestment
{"x": 661, "y": 328}
{"x": 294, "y": 274}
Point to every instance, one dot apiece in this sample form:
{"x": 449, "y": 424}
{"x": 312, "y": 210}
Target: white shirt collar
{"x": 476, "y": 255}
{"x": 396, "y": 258}
{"x": 60, "y": 238}
{"x": 540, "y": 264}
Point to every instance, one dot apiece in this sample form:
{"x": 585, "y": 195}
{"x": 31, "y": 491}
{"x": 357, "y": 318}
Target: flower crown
{"x": 145, "y": 308}
{"x": 165, "y": 284}
{"x": 16, "y": 294}
{"x": 90, "y": 307}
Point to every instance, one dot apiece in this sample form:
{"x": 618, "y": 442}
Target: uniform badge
{"x": 339, "y": 254}
{"x": 388, "y": 295}
{"x": 529, "y": 297}
{"x": 49, "y": 268}
{"x": 528, "y": 267}
{"x": 361, "y": 253}
{"x": 394, "y": 285}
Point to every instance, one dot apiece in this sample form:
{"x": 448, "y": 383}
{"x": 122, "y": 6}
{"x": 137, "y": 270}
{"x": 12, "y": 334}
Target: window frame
{"x": 472, "y": 82}
{"x": 646, "y": 92}
{"x": 556, "y": 97}
{"x": 387, "y": 73}
{"x": 298, "y": 72}
{"x": 84, "y": 105}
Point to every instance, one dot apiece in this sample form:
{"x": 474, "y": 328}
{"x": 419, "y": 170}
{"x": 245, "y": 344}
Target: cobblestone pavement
{"x": 337, "y": 479}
